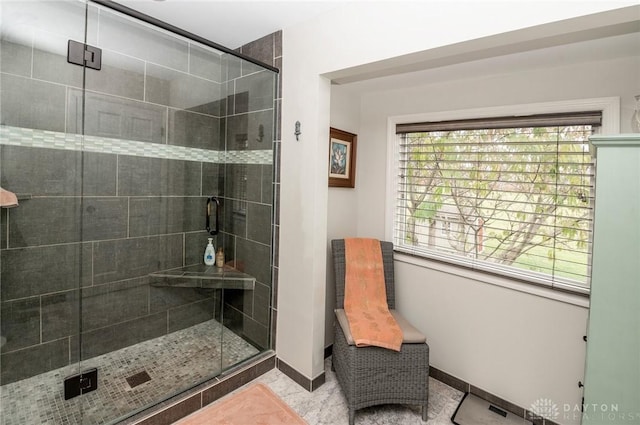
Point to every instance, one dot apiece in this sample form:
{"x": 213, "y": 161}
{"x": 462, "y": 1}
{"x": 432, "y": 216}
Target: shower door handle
{"x": 212, "y": 200}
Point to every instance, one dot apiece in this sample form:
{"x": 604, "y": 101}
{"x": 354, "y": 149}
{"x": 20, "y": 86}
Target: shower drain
{"x": 138, "y": 379}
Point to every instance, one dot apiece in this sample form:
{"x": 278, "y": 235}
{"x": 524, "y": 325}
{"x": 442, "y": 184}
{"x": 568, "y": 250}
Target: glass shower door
{"x": 106, "y": 306}
{"x": 248, "y": 206}
{"x": 152, "y": 128}
{"x": 43, "y": 260}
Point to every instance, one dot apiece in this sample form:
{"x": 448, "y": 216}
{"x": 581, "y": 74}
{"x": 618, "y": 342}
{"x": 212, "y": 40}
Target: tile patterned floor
{"x": 174, "y": 362}
{"x": 327, "y": 405}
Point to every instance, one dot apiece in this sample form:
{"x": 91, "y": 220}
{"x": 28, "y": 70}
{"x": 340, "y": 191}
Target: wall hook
{"x": 297, "y": 131}
{"x": 260, "y": 133}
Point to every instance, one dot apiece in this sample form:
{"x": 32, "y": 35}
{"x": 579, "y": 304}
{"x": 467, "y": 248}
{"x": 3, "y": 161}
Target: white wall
{"x": 342, "y": 212}
{"x": 352, "y": 35}
{"x": 519, "y": 346}
{"x": 514, "y": 345}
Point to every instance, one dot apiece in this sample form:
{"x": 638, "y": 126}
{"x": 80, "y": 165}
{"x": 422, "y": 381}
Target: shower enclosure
{"x": 127, "y": 146}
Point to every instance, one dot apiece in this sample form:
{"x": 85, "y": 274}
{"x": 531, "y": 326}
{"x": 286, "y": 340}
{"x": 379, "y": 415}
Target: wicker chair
{"x": 371, "y": 376}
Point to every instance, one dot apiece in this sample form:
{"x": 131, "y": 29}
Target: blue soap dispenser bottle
{"x": 210, "y": 253}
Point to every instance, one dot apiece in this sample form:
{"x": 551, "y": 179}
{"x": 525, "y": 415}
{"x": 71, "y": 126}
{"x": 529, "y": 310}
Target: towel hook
{"x": 297, "y": 131}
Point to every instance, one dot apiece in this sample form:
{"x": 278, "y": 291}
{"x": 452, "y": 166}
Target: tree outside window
{"x": 513, "y": 198}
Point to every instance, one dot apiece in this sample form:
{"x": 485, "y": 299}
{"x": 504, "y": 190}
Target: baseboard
{"x": 465, "y": 387}
{"x": 306, "y": 383}
{"x": 328, "y": 351}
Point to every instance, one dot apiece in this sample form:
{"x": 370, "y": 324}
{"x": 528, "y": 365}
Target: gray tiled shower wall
{"x": 97, "y": 224}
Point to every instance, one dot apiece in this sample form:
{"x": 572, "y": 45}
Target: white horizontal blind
{"x": 516, "y": 201}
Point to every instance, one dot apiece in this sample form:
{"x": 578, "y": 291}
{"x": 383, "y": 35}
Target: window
{"x": 509, "y": 195}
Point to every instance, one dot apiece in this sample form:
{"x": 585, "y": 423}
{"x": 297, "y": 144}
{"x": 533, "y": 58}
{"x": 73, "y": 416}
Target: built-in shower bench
{"x": 202, "y": 276}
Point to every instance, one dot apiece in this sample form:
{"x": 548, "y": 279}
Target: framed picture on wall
{"x": 342, "y": 158}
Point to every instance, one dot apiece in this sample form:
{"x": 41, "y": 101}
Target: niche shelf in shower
{"x": 202, "y": 276}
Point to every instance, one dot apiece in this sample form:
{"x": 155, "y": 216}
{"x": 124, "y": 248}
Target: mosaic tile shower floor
{"x": 174, "y": 362}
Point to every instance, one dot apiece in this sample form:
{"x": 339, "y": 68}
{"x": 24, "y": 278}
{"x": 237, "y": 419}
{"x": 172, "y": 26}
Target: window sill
{"x": 504, "y": 282}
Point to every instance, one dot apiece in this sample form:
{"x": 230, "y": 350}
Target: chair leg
{"x": 424, "y": 413}
{"x": 352, "y": 416}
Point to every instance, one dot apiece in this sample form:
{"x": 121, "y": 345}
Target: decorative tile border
{"x": 33, "y": 138}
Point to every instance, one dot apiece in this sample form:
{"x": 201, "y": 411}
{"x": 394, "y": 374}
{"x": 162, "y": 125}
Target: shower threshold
{"x": 173, "y": 363}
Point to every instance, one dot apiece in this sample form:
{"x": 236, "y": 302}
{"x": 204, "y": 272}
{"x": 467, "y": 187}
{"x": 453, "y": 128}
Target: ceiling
{"x": 602, "y": 49}
{"x": 232, "y": 23}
